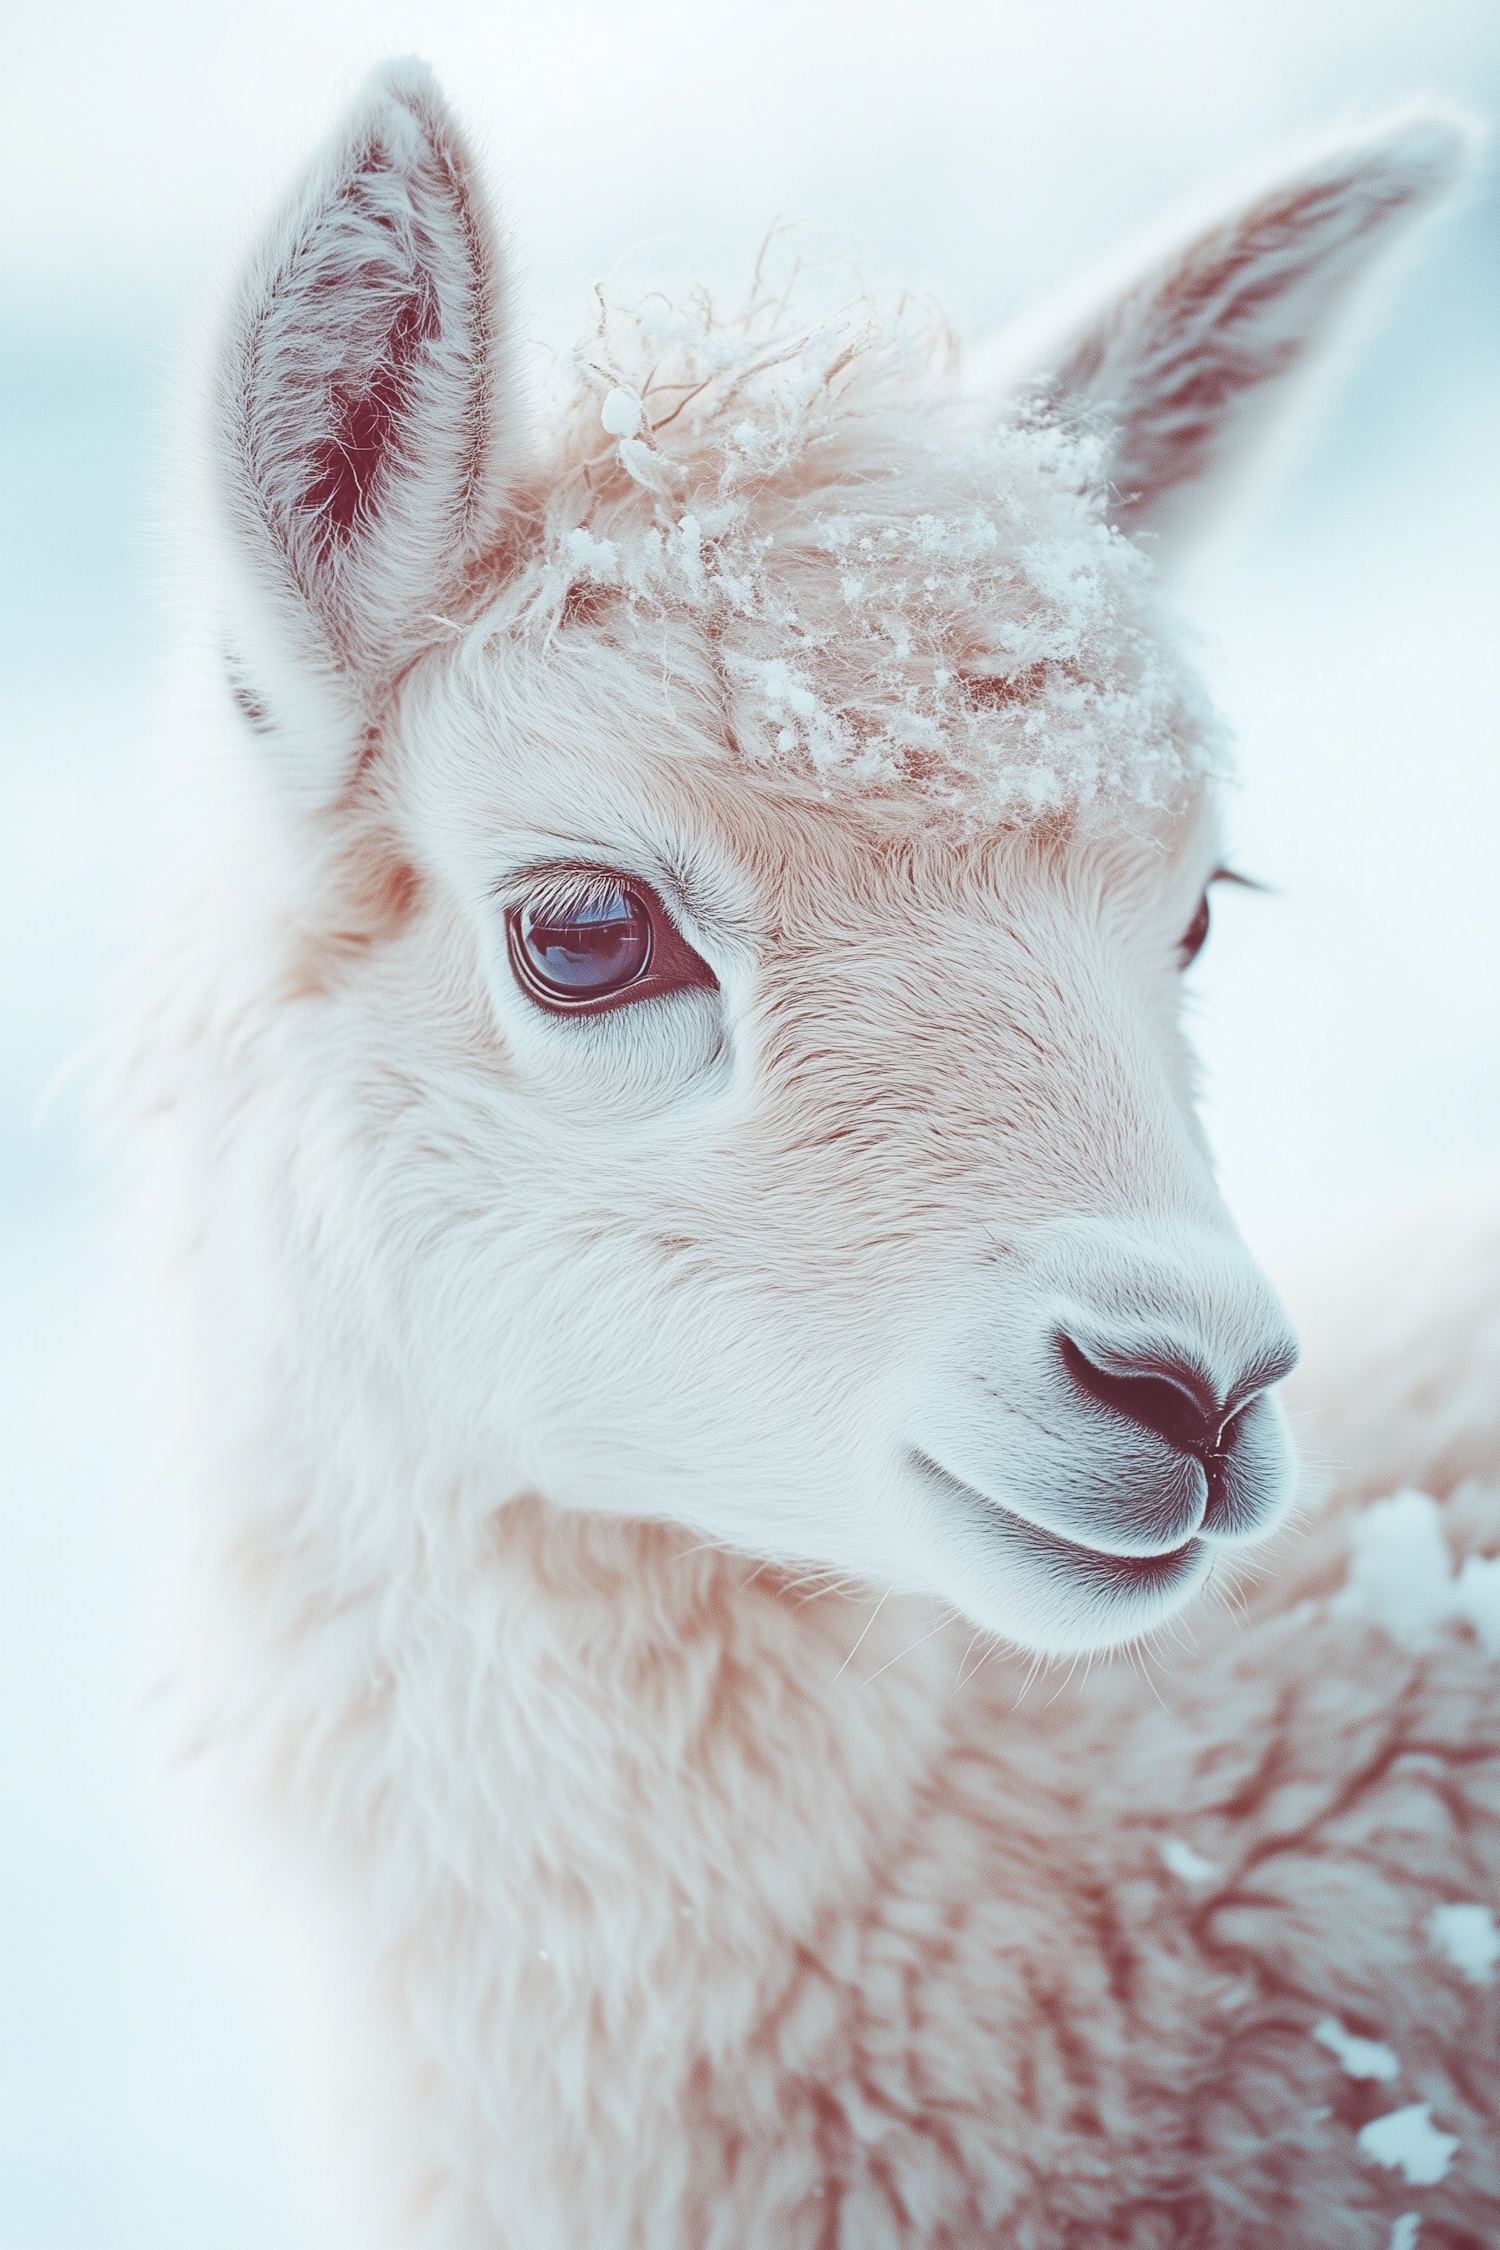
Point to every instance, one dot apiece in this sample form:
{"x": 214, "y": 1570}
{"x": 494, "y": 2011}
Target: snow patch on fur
{"x": 1466, "y": 1936}
{"x": 906, "y": 594}
{"x": 1358, "y": 2058}
{"x": 1408, "y": 2138}
{"x": 1401, "y": 1577}
{"x": 1181, "y": 1860}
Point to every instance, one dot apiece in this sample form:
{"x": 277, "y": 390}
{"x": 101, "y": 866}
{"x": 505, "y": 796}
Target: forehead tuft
{"x": 909, "y": 595}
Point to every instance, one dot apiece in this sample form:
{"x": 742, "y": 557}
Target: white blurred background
{"x": 986, "y": 152}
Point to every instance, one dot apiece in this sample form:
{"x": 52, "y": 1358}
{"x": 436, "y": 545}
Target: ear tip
{"x": 404, "y": 82}
{"x": 402, "y": 103}
{"x": 400, "y": 77}
{"x": 1434, "y": 146}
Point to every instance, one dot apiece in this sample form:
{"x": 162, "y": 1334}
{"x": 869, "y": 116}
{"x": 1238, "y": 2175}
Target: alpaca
{"x": 672, "y": 1155}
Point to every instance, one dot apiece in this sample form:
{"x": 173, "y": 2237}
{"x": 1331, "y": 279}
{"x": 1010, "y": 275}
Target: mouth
{"x": 1057, "y": 1596}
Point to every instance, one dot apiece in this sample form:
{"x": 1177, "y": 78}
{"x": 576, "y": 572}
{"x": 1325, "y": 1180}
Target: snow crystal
{"x": 645, "y": 464}
{"x": 1404, "y": 2231}
{"x": 1408, "y": 2138}
{"x": 621, "y": 413}
{"x": 592, "y": 560}
{"x": 1401, "y": 1577}
{"x": 1181, "y": 1860}
{"x": 1466, "y": 1936}
{"x": 1360, "y": 2058}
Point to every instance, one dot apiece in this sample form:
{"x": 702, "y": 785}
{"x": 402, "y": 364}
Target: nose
{"x": 1164, "y": 1393}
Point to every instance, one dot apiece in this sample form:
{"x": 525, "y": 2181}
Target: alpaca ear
{"x": 1197, "y": 352}
{"x": 359, "y": 405}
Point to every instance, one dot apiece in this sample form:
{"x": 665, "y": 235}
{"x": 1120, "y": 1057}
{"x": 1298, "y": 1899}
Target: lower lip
{"x": 1111, "y": 1580}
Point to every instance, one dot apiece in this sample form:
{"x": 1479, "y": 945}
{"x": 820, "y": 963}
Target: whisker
{"x": 1034, "y": 1670}
{"x": 869, "y": 1621}
{"x": 1137, "y": 1653}
{"x": 968, "y": 1652}
{"x": 996, "y": 1646}
{"x": 819, "y": 1580}
{"x": 704, "y": 1547}
{"x": 940, "y": 1627}
{"x": 849, "y": 1588}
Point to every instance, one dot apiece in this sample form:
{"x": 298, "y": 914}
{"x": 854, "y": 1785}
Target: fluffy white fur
{"x": 630, "y": 1451}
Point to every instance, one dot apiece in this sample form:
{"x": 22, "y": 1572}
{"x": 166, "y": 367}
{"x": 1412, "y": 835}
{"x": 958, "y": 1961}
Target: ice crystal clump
{"x": 906, "y": 590}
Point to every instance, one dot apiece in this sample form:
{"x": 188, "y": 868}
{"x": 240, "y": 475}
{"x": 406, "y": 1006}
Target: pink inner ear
{"x": 365, "y": 415}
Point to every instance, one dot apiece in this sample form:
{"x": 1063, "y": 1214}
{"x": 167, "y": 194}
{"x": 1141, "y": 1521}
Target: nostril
{"x": 1163, "y": 1395}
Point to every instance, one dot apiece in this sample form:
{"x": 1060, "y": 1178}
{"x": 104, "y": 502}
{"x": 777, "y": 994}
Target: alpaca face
{"x": 877, "y": 1234}
{"x": 732, "y": 882}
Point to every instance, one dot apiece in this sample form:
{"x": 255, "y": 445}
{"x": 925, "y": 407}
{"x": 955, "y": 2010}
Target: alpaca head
{"x": 699, "y": 1026}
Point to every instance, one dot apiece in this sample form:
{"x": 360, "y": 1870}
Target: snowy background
{"x": 986, "y": 152}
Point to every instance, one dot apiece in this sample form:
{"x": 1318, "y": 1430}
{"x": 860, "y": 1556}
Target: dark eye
{"x": 586, "y": 942}
{"x": 1195, "y": 936}
{"x": 587, "y": 949}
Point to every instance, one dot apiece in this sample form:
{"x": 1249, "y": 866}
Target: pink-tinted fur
{"x": 642, "y": 1564}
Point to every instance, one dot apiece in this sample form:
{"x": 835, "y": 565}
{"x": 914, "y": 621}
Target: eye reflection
{"x": 585, "y": 948}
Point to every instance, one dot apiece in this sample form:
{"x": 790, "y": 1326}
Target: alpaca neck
{"x": 643, "y": 1714}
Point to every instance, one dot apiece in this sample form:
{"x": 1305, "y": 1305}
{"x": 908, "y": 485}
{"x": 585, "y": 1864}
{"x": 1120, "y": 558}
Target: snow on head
{"x": 906, "y": 593}
{"x": 621, "y": 413}
{"x": 1466, "y": 1936}
{"x": 1408, "y": 2138}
